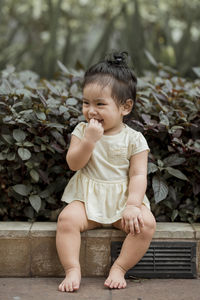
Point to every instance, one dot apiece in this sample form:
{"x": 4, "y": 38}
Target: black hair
{"x": 115, "y": 72}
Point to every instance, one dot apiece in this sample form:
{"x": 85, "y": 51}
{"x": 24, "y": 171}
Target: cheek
{"x": 84, "y": 110}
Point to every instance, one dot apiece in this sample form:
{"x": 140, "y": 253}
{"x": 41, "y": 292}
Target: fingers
{"x": 94, "y": 131}
{"x": 136, "y": 226}
{"x": 141, "y": 221}
{"x": 133, "y": 225}
{"x": 95, "y": 123}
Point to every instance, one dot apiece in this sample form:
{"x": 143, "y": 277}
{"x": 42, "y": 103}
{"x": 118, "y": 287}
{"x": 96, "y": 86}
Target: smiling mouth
{"x": 100, "y": 121}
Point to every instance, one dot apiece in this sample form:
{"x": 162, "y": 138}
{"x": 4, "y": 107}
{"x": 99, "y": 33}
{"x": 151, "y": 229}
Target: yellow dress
{"x": 103, "y": 183}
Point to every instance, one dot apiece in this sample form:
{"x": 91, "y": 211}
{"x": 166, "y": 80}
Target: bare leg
{"x": 133, "y": 249}
{"x": 71, "y": 222}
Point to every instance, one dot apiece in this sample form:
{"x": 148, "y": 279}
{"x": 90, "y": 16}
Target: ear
{"x": 127, "y": 107}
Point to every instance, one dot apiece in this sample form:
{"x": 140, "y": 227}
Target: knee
{"x": 66, "y": 221}
{"x": 149, "y": 228}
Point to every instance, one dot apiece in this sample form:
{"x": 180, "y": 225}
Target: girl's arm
{"x": 80, "y": 151}
{"x": 132, "y": 218}
{"x": 137, "y": 178}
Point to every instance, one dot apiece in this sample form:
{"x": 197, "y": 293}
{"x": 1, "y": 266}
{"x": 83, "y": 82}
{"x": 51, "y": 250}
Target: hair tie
{"x": 117, "y": 58}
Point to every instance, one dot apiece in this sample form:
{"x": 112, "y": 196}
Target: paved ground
{"x": 92, "y": 289}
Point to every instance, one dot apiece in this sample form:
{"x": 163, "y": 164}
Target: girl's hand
{"x": 94, "y": 131}
{"x": 132, "y": 220}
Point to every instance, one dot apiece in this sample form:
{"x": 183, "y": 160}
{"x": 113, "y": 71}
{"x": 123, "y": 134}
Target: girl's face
{"x": 98, "y": 104}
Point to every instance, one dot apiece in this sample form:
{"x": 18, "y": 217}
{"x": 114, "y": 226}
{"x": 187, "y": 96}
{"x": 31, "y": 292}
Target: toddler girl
{"x": 110, "y": 183}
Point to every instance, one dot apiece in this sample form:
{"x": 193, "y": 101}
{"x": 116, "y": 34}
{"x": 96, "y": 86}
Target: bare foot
{"x": 72, "y": 281}
{"x": 116, "y": 279}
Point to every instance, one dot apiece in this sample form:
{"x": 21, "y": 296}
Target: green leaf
{"x": 11, "y": 156}
{"x": 40, "y": 115}
{"x": 176, "y": 173}
{"x": 196, "y": 71}
{"x": 168, "y": 204}
{"x": 29, "y": 212}
{"x": 36, "y": 202}
{"x": 8, "y": 119}
{"x": 3, "y": 156}
{"x": 172, "y": 193}
{"x": 160, "y": 163}
{"x": 59, "y": 137}
{"x": 28, "y": 144}
{"x": 173, "y": 160}
{"x": 52, "y": 88}
{"x": 45, "y": 193}
{"x": 8, "y": 138}
{"x": 163, "y": 119}
{"x": 174, "y": 128}
{"x": 71, "y": 101}
{"x": 163, "y": 107}
{"x": 10, "y": 69}
{"x": 169, "y": 85}
{"x": 63, "y": 109}
{"x": 74, "y": 89}
{"x": 24, "y": 153}
{"x": 174, "y": 215}
{"x": 151, "y": 58}
{"x": 19, "y": 135}
{"x": 160, "y": 189}
{"x": 22, "y": 189}
{"x": 152, "y": 168}
{"x": 63, "y": 68}
{"x": 51, "y": 200}
{"x": 34, "y": 174}
{"x": 54, "y": 125}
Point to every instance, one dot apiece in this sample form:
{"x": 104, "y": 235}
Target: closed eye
{"x": 100, "y": 104}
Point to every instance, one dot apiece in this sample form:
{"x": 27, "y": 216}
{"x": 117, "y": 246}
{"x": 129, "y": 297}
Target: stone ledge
{"x": 15, "y": 229}
{"x": 48, "y": 229}
{"x": 28, "y": 249}
{"x": 175, "y": 231}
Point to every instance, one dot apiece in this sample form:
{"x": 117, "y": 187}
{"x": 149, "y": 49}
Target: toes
{"x": 75, "y": 286}
{"x": 70, "y": 287}
{"x": 61, "y": 287}
{"x": 120, "y": 285}
{"x": 116, "y": 284}
{"x": 107, "y": 282}
{"x": 111, "y": 286}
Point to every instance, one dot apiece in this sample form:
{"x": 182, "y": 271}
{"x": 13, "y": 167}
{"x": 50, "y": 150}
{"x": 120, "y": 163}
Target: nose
{"x": 91, "y": 111}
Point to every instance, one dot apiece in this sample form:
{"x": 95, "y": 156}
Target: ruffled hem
{"x": 104, "y": 200}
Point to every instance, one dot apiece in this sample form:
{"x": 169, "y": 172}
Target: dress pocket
{"x": 117, "y": 154}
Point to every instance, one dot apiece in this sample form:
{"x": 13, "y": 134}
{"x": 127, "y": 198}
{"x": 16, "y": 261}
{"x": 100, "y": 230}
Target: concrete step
{"x": 28, "y": 249}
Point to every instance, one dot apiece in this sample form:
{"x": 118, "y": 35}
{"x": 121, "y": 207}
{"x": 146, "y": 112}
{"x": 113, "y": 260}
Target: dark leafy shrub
{"x": 36, "y": 119}
{"x": 37, "y": 116}
{"x": 168, "y": 114}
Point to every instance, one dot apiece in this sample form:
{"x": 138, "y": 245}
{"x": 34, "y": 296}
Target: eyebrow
{"x": 96, "y": 100}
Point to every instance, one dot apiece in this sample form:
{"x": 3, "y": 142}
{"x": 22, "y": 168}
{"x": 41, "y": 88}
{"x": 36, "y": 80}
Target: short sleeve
{"x": 79, "y": 130}
{"x": 140, "y": 144}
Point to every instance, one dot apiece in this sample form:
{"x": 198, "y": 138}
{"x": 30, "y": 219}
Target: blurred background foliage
{"x": 34, "y": 34}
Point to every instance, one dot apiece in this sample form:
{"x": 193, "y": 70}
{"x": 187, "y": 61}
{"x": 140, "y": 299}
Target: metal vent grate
{"x": 163, "y": 260}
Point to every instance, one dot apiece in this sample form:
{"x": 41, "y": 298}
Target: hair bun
{"x": 117, "y": 58}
